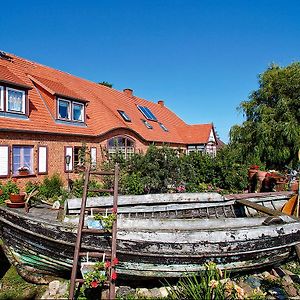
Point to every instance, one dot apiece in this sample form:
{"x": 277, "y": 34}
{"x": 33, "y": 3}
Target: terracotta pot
{"x": 23, "y": 173}
{"x": 261, "y": 175}
{"x": 251, "y": 173}
{"x": 17, "y": 198}
{"x": 295, "y": 186}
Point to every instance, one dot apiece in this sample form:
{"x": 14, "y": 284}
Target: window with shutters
{"x": 22, "y": 159}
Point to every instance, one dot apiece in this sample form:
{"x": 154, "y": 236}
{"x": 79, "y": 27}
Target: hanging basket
{"x": 89, "y": 266}
{"x": 92, "y": 223}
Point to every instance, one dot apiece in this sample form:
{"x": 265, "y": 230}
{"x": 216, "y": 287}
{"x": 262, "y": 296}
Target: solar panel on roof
{"x": 147, "y": 113}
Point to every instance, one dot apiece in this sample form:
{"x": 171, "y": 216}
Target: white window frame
{"x": 69, "y": 110}
{"x": 22, "y": 147}
{"x": 1, "y": 98}
{"x": 83, "y": 112}
{"x": 126, "y": 150}
{"x": 23, "y": 101}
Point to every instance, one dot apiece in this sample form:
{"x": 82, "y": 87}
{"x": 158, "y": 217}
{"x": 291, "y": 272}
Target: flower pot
{"x": 295, "y": 186}
{"x": 23, "y": 172}
{"x": 251, "y": 173}
{"x": 17, "y": 198}
{"x": 261, "y": 175}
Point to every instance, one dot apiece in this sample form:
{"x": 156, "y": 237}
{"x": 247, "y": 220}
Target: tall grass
{"x": 209, "y": 284}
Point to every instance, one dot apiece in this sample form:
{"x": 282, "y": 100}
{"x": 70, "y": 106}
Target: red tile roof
{"x": 103, "y": 103}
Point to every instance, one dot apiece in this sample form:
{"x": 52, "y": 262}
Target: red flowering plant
{"x": 254, "y": 167}
{"x": 97, "y": 276}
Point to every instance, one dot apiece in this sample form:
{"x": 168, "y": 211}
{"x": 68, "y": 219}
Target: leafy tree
{"x": 271, "y": 132}
{"x": 108, "y": 84}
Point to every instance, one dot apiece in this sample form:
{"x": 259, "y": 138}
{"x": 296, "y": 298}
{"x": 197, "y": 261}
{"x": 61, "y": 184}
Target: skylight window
{"x": 147, "y": 124}
{"x": 124, "y": 115}
{"x": 164, "y": 128}
{"x": 147, "y": 113}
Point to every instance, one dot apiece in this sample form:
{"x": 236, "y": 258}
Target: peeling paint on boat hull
{"x": 42, "y": 248}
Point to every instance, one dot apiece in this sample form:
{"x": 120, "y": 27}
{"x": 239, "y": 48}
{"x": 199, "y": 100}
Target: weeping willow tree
{"x": 271, "y": 132}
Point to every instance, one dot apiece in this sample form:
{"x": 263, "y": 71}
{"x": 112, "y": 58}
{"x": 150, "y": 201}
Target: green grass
{"x": 14, "y": 287}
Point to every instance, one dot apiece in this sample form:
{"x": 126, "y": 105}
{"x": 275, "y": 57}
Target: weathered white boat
{"x": 158, "y": 235}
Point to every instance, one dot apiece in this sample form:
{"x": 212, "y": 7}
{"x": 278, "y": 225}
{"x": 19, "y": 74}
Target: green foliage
{"x": 131, "y": 184}
{"x": 106, "y": 220}
{"x": 13, "y": 286}
{"x": 78, "y": 184}
{"x": 8, "y": 188}
{"x": 51, "y": 187}
{"x": 162, "y": 170}
{"x": 95, "y": 277}
{"x": 271, "y": 132}
{"x": 207, "y": 285}
{"x": 110, "y": 85}
{"x": 31, "y": 186}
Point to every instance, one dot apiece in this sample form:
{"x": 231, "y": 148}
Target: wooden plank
{"x": 258, "y": 207}
{"x": 151, "y": 199}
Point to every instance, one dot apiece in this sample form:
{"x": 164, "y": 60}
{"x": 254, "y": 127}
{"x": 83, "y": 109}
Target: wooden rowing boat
{"x": 158, "y": 235}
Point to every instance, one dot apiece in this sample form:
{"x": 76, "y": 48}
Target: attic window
{"x": 164, "y": 128}
{"x": 124, "y": 115}
{"x": 15, "y": 100}
{"x": 78, "y": 109}
{"x": 147, "y": 124}
{"x": 70, "y": 110}
{"x": 64, "y": 109}
{"x": 147, "y": 113}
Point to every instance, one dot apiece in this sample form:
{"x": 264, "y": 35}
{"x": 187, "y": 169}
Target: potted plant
{"x": 96, "y": 273}
{"x": 23, "y": 171}
{"x": 106, "y": 220}
{"x": 13, "y": 191}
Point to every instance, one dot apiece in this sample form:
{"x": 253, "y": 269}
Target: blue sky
{"x": 201, "y": 57}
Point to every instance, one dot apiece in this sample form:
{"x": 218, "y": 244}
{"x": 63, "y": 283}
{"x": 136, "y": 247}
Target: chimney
{"x": 161, "y": 103}
{"x": 128, "y": 92}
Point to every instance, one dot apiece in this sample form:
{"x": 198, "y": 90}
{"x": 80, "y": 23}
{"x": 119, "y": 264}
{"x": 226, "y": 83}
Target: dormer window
{"x": 78, "y": 112}
{"x": 15, "y": 101}
{"x": 70, "y": 110}
{"x": 124, "y": 115}
{"x": 64, "y": 109}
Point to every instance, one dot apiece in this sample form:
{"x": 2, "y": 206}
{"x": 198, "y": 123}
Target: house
{"x": 46, "y": 115}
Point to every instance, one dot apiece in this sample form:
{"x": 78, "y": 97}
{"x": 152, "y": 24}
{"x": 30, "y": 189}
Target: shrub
{"x": 31, "y": 186}
{"x": 52, "y": 187}
{"x": 78, "y": 185}
{"x": 131, "y": 184}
